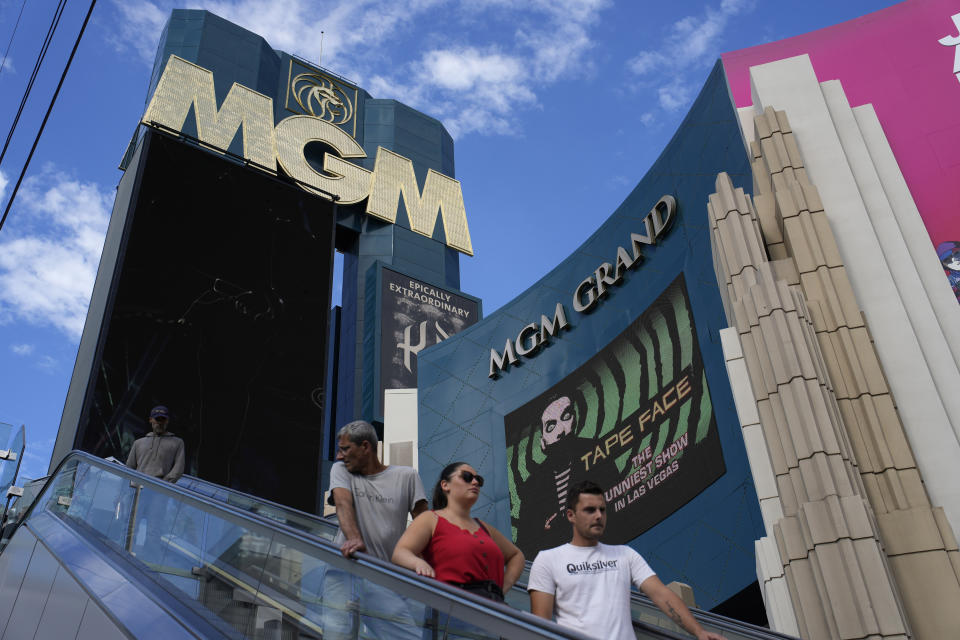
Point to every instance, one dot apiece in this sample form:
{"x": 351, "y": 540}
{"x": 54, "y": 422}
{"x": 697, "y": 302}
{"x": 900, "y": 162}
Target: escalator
{"x": 642, "y": 608}
{"x": 105, "y": 552}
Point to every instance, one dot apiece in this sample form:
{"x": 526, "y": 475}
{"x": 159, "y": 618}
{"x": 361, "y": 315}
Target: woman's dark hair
{"x": 439, "y": 497}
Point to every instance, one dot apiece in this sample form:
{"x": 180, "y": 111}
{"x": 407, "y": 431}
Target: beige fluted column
{"x": 861, "y": 549}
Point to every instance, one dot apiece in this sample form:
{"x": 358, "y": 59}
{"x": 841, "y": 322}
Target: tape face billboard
{"x": 636, "y": 419}
{"x": 415, "y": 315}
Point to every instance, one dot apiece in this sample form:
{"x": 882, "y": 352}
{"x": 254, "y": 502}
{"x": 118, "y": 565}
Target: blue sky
{"x": 558, "y": 107}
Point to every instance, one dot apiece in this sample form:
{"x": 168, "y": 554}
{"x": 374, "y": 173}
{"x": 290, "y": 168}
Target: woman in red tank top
{"x": 449, "y": 545}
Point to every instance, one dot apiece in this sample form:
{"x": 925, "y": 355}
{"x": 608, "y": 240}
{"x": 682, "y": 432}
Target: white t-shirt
{"x": 591, "y": 586}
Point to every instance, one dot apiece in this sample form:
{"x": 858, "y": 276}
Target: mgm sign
{"x": 184, "y": 85}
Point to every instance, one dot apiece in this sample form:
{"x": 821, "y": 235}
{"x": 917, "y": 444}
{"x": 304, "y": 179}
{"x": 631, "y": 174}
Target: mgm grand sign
{"x": 184, "y": 85}
{"x": 589, "y": 292}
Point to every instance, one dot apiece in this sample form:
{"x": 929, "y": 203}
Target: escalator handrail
{"x": 454, "y": 601}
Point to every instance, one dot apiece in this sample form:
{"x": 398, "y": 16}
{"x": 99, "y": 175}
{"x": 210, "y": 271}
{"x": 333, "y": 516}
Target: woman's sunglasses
{"x": 469, "y": 477}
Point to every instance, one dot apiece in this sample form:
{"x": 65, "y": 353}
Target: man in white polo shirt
{"x": 587, "y": 583}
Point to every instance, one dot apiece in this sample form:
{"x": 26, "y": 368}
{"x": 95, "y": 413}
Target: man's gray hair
{"x": 359, "y": 431}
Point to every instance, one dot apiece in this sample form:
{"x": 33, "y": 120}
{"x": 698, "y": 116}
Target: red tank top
{"x": 458, "y": 556}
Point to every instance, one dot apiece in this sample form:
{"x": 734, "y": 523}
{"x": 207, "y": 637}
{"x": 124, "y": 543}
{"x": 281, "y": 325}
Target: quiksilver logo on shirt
{"x": 600, "y": 566}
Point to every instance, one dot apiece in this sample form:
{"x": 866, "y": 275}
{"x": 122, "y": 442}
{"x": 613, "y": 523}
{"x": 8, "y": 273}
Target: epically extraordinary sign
{"x": 636, "y": 418}
{"x": 185, "y": 85}
{"x": 589, "y": 292}
{"x": 414, "y": 315}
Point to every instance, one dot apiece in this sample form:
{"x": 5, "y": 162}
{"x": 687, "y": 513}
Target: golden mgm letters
{"x": 184, "y": 85}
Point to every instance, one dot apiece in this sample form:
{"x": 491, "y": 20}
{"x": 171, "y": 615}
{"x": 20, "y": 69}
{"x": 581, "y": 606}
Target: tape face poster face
{"x": 415, "y": 315}
{"x": 636, "y": 419}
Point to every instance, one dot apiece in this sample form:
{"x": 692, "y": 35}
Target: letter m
{"x": 393, "y": 176}
{"x": 184, "y": 84}
{"x": 552, "y": 327}
{"x": 499, "y": 362}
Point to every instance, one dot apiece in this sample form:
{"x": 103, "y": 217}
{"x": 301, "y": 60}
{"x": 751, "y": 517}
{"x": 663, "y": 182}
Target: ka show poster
{"x": 636, "y": 419}
{"x": 415, "y": 315}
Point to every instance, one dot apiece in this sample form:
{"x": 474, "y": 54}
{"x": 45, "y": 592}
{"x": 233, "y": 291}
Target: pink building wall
{"x": 893, "y": 59}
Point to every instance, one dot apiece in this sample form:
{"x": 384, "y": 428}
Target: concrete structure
{"x": 287, "y": 106}
{"x": 854, "y": 547}
{"x": 400, "y": 428}
{"x": 878, "y": 234}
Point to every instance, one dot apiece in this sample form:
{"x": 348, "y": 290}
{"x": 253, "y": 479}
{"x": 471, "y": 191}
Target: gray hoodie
{"x": 158, "y": 456}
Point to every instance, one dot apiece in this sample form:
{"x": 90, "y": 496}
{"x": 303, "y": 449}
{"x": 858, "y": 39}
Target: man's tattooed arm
{"x": 671, "y": 604}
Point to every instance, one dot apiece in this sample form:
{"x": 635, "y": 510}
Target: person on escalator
{"x": 159, "y": 453}
{"x": 586, "y": 583}
{"x": 449, "y": 545}
{"x": 373, "y": 501}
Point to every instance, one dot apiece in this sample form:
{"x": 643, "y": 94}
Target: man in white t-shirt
{"x": 586, "y": 583}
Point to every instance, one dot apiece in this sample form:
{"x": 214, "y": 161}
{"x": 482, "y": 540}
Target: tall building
{"x": 213, "y": 293}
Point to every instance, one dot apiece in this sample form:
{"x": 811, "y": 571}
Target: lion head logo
{"x": 322, "y": 97}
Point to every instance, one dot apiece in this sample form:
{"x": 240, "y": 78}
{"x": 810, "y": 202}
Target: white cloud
{"x": 22, "y": 349}
{"x": 690, "y": 42}
{"x": 477, "y": 90}
{"x": 470, "y": 69}
{"x": 47, "y": 271}
{"x": 674, "y": 95}
{"x": 353, "y": 28}
{"x": 734, "y": 7}
{"x": 47, "y": 364}
{"x": 561, "y": 43}
{"x": 648, "y": 119}
{"x": 139, "y": 26}
{"x": 8, "y": 65}
{"x": 489, "y": 58}
{"x": 647, "y": 61}
{"x": 3, "y": 188}
{"x": 619, "y": 181}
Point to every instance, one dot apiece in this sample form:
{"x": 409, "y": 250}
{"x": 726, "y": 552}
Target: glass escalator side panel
{"x": 94, "y": 499}
{"x": 308, "y": 523}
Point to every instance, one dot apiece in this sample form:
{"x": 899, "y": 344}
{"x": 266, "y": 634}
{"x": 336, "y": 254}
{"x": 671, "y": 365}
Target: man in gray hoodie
{"x": 159, "y": 453}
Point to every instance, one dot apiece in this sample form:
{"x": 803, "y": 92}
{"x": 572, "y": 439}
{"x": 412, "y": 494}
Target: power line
{"x": 46, "y": 116}
{"x": 33, "y": 76}
{"x": 3, "y": 62}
